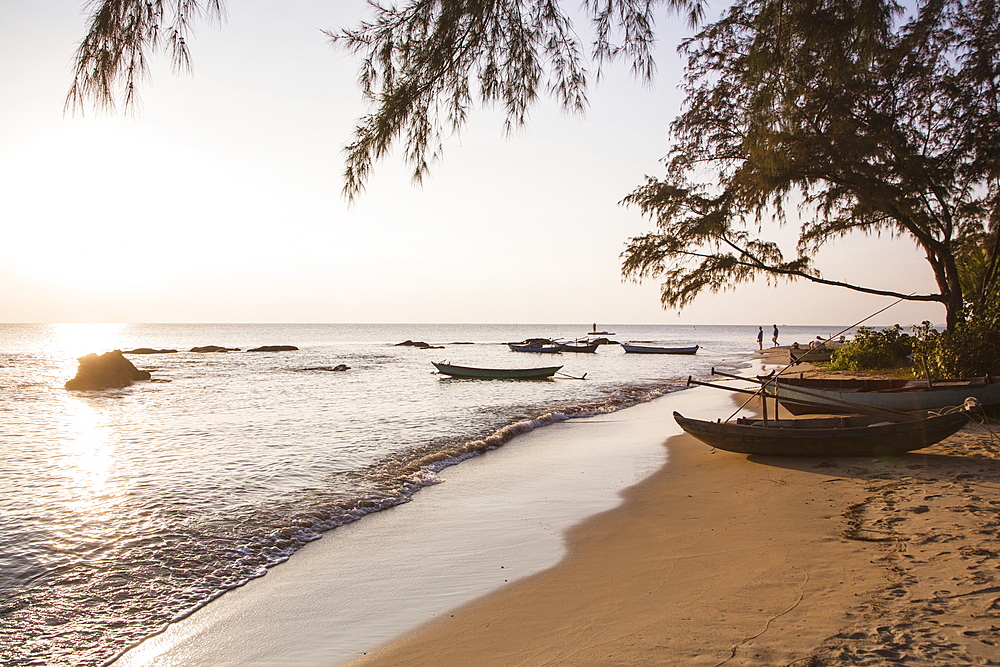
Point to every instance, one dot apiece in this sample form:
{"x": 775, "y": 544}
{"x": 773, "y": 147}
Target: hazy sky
{"x": 220, "y": 201}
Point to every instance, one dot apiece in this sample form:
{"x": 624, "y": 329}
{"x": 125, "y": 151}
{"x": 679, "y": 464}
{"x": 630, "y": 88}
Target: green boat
{"x": 496, "y": 373}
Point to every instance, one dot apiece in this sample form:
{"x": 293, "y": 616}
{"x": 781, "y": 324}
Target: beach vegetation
{"x": 874, "y": 349}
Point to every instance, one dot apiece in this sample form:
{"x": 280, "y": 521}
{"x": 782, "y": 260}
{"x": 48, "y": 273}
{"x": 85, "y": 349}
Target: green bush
{"x": 874, "y": 349}
{"x": 971, "y": 349}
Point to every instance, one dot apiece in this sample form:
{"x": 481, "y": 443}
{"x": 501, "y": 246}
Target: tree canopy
{"x": 862, "y": 116}
{"x": 863, "y": 119}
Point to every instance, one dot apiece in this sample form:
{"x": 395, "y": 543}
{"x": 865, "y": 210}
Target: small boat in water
{"x": 581, "y": 347}
{"x": 828, "y": 436}
{"x": 495, "y": 373}
{"x": 649, "y": 349}
{"x": 535, "y": 347}
{"x": 811, "y": 395}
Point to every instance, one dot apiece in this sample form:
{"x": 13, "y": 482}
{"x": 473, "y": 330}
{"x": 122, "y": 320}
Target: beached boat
{"x": 580, "y": 347}
{"x": 810, "y": 354}
{"x": 828, "y": 436}
{"x": 836, "y": 395}
{"x": 649, "y": 349}
{"x": 496, "y": 373}
{"x": 535, "y": 347}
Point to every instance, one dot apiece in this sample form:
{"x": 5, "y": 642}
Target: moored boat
{"x": 650, "y": 349}
{"x": 829, "y": 436}
{"x": 836, "y": 395}
{"x": 495, "y": 373}
{"x": 535, "y": 347}
{"x": 581, "y": 347}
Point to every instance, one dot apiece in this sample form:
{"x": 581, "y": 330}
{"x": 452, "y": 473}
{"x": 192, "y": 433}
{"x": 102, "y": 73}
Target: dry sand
{"x": 723, "y": 559}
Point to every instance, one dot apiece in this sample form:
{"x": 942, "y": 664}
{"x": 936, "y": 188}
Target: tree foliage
{"x": 121, "y": 36}
{"x": 425, "y": 64}
{"x": 865, "y": 119}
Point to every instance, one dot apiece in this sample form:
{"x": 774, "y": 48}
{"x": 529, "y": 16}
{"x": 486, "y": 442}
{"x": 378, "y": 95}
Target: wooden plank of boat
{"x": 648, "y": 349}
{"x": 535, "y": 347}
{"x": 495, "y": 373}
{"x": 830, "y": 436}
{"x": 818, "y": 394}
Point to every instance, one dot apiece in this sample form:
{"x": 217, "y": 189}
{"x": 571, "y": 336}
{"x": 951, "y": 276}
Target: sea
{"x": 124, "y": 510}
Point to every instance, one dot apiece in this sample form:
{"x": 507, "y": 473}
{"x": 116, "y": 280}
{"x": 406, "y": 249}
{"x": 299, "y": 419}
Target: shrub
{"x": 971, "y": 349}
{"x": 874, "y": 349}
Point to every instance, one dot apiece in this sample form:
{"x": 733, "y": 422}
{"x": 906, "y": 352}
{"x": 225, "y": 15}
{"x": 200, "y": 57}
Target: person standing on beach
{"x": 760, "y": 337}
{"x": 774, "y": 335}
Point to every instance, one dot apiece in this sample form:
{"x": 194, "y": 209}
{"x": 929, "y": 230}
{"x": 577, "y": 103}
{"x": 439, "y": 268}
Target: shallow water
{"x": 122, "y": 510}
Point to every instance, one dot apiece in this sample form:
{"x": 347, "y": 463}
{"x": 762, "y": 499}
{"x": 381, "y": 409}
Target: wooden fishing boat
{"x": 495, "y": 373}
{"x": 833, "y": 395}
{"x": 649, "y": 349}
{"x": 580, "y": 347}
{"x": 535, "y": 347}
{"x": 829, "y": 436}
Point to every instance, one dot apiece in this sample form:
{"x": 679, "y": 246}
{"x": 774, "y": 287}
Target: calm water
{"x": 123, "y": 510}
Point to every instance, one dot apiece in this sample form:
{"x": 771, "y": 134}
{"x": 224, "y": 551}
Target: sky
{"x": 220, "y": 199}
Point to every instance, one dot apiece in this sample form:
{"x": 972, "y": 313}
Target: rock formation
{"x": 274, "y": 348}
{"x": 106, "y": 371}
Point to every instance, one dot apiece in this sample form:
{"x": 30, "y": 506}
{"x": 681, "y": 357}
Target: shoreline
{"x": 708, "y": 558}
{"x": 720, "y": 558}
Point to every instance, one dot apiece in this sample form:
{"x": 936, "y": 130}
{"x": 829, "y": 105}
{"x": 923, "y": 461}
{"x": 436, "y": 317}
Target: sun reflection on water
{"x": 88, "y": 457}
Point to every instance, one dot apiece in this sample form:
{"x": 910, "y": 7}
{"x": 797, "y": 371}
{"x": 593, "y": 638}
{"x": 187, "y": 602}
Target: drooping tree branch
{"x": 121, "y": 35}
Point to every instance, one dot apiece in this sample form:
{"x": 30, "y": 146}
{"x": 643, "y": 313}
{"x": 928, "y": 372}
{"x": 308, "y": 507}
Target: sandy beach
{"x": 720, "y": 559}
{"x": 711, "y": 559}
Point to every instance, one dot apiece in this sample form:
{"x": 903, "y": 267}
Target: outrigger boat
{"x": 871, "y": 432}
{"x": 812, "y": 395}
{"x": 648, "y": 349}
{"x": 829, "y": 436}
{"x": 495, "y": 373}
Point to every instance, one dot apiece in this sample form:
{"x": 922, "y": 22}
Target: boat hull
{"x": 645, "y": 349}
{"x": 535, "y": 348}
{"x": 590, "y": 348}
{"x": 822, "y": 437}
{"x": 496, "y": 373}
{"x": 818, "y": 395}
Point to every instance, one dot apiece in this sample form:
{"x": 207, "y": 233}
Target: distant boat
{"x": 595, "y": 332}
{"x": 649, "y": 349}
{"x": 581, "y": 347}
{"x": 829, "y": 436}
{"x": 838, "y": 395}
{"x": 496, "y": 373}
{"x": 535, "y": 347}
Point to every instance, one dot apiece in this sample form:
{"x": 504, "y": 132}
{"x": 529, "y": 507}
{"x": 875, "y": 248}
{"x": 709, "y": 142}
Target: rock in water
{"x": 106, "y": 371}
